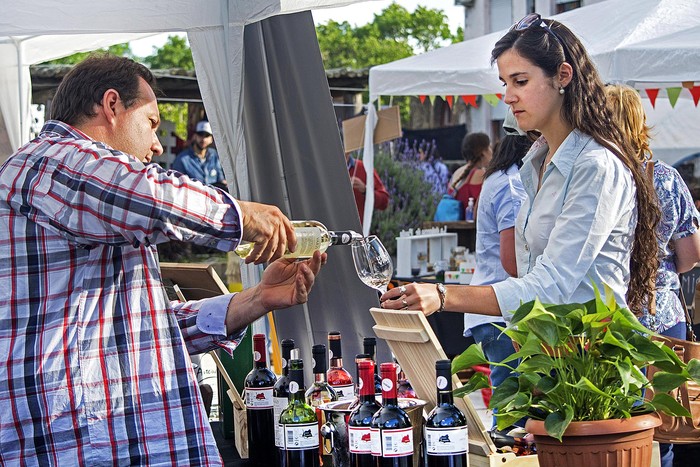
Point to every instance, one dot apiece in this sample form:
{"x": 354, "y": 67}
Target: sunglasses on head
{"x": 534, "y": 19}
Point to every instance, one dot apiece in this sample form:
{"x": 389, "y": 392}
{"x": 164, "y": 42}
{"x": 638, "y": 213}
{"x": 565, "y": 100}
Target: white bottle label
{"x": 375, "y": 441}
{"x": 301, "y": 436}
{"x": 308, "y": 240}
{"x": 279, "y": 404}
{"x": 259, "y": 398}
{"x": 360, "y": 439}
{"x": 397, "y": 443}
{"x": 346, "y": 392}
{"x": 446, "y": 441}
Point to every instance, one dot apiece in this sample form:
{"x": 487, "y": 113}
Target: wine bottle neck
{"x": 319, "y": 377}
{"x": 343, "y": 237}
{"x": 445, "y": 397}
{"x": 336, "y": 362}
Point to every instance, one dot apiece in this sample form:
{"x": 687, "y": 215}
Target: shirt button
{"x": 527, "y": 247}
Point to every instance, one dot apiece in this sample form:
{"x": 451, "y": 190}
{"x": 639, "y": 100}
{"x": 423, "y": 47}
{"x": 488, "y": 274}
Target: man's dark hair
{"x": 83, "y": 87}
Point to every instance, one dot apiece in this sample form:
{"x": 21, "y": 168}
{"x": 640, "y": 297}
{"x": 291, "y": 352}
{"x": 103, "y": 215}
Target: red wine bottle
{"x": 259, "y": 386}
{"x": 280, "y": 393}
{"x": 299, "y": 423}
{"x": 370, "y": 348}
{"x": 445, "y": 431}
{"x": 392, "y": 434}
{"x": 359, "y": 431}
{"x": 338, "y": 377}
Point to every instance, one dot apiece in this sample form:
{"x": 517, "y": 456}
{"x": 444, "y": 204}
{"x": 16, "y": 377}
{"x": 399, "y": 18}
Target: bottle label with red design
{"x": 396, "y": 443}
{"x": 345, "y": 392}
{"x": 301, "y": 436}
{"x": 446, "y": 441}
{"x": 259, "y": 398}
{"x": 360, "y": 439}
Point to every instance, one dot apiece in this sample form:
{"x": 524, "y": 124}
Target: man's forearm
{"x": 244, "y": 308}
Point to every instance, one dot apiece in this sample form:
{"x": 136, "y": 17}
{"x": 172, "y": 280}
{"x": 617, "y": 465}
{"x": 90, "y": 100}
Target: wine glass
{"x": 372, "y": 262}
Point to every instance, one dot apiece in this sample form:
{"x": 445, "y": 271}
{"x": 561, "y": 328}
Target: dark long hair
{"x": 83, "y": 87}
{"x": 584, "y": 109}
{"x": 473, "y": 147}
{"x": 511, "y": 150}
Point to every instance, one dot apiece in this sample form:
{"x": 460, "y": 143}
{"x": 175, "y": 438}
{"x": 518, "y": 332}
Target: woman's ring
{"x": 405, "y": 303}
{"x": 402, "y": 289}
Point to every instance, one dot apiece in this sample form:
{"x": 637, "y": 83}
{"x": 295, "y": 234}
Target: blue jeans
{"x": 497, "y": 348}
{"x": 666, "y": 450}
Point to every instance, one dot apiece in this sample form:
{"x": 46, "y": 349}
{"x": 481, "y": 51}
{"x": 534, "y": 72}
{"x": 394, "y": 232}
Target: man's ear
{"x": 110, "y": 100}
{"x": 565, "y": 74}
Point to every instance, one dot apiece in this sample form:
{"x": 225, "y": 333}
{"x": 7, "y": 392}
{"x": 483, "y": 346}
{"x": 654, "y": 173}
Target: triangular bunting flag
{"x": 695, "y": 91}
{"x": 688, "y": 84}
{"x": 422, "y": 99}
{"x": 492, "y": 99}
{"x": 449, "y": 100}
{"x": 673, "y": 94}
{"x": 652, "y": 94}
{"x": 432, "y": 100}
{"x": 500, "y": 96}
{"x": 470, "y": 100}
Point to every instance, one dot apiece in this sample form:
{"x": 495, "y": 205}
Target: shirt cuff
{"x": 232, "y": 201}
{"x": 211, "y": 318}
{"x": 507, "y": 294}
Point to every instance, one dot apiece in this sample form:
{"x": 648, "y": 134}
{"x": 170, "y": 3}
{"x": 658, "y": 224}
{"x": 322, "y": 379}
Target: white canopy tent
{"x": 644, "y": 43}
{"x": 36, "y": 30}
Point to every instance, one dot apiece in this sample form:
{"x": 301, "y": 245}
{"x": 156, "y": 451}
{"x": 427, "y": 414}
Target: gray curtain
{"x": 296, "y": 161}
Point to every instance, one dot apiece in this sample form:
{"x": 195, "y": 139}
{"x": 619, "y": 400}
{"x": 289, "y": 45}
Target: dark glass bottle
{"x": 405, "y": 390}
{"x": 320, "y": 393}
{"x": 370, "y": 348}
{"x": 338, "y": 377}
{"x": 445, "y": 430}
{"x": 392, "y": 434}
{"x": 280, "y": 393}
{"x": 259, "y": 385}
{"x": 299, "y": 423}
{"x": 359, "y": 431}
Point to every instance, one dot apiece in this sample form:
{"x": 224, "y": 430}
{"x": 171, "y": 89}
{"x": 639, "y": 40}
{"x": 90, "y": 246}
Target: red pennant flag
{"x": 695, "y": 91}
{"x": 652, "y": 94}
{"x": 470, "y": 100}
{"x": 422, "y": 99}
{"x": 449, "y": 100}
{"x": 500, "y": 97}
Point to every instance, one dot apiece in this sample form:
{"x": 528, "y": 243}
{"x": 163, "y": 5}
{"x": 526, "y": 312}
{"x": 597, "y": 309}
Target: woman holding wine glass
{"x": 372, "y": 262}
{"x": 590, "y": 214}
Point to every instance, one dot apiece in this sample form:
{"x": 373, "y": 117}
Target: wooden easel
{"x": 413, "y": 342}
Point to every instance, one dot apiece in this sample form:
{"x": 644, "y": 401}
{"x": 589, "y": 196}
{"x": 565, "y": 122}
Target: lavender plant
{"x": 412, "y": 199}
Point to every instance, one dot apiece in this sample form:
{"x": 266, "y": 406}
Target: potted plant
{"x": 583, "y": 365}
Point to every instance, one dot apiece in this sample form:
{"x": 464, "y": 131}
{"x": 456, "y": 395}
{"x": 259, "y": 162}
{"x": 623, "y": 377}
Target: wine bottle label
{"x": 396, "y": 443}
{"x": 284, "y": 362}
{"x": 309, "y": 239}
{"x": 278, "y": 406}
{"x": 301, "y": 436}
{"x": 259, "y": 398}
{"x": 446, "y": 441}
{"x": 345, "y": 392}
{"x": 376, "y": 441}
{"x": 360, "y": 439}
{"x": 279, "y": 434}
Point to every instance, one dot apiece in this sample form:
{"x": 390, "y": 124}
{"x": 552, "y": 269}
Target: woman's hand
{"x": 414, "y": 296}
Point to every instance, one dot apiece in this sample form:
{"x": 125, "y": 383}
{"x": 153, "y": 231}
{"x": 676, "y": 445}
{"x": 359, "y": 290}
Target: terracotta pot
{"x": 602, "y": 443}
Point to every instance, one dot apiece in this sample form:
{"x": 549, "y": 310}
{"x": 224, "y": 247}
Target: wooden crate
{"x": 415, "y": 346}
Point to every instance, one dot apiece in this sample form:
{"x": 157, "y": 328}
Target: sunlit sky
{"x": 356, "y": 15}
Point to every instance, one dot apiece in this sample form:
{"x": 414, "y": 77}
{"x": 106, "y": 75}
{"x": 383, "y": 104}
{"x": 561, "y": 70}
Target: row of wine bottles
{"x": 380, "y": 434}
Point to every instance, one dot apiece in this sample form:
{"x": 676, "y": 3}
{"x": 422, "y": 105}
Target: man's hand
{"x": 358, "y": 185}
{"x": 269, "y": 229}
{"x": 284, "y": 283}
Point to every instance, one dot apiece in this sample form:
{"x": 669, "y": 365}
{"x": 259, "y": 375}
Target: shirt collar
{"x": 58, "y": 129}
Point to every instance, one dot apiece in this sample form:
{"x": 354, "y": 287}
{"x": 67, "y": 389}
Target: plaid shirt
{"x": 94, "y": 365}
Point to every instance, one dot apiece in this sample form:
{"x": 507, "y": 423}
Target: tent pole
{"x": 20, "y": 64}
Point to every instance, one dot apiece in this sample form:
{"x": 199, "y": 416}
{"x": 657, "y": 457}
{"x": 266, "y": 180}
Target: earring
{"x": 561, "y": 90}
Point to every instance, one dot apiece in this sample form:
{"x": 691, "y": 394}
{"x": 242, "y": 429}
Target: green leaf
{"x": 476, "y": 382}
{"x": 665, "y": 382}
{"x": 505, "y": 392}
{"x": 546, "y": 329}
{"x": 473, "y": 355}
{"x": 522, "y": 311}
{"x": 694, "y": 370}
{"x": 547, "y": 384}
{"x": 537, "y": 363}
{"x": 587, "y": 385}
{"x": 556, "y": 423}
{"x": 669, "y": 405}
{"x": 504, "y": 420}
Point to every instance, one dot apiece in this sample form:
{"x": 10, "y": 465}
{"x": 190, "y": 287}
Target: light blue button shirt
{"x": 502, "y": 195}
{"x": 579, "y": 227}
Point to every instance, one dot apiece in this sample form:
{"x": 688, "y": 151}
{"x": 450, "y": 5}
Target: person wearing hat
{"x": 201, "y": 161}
